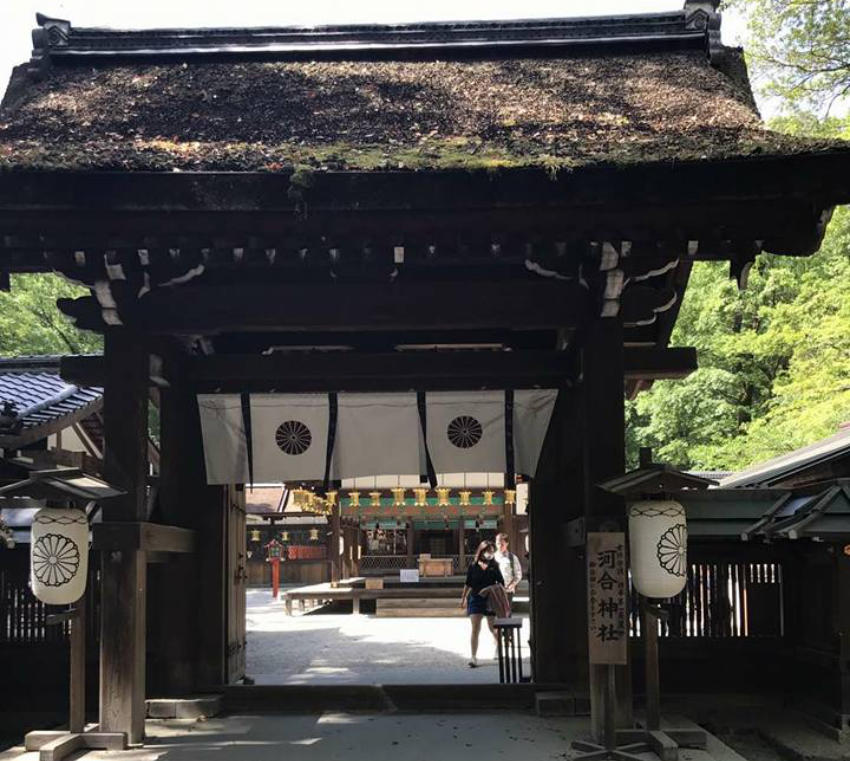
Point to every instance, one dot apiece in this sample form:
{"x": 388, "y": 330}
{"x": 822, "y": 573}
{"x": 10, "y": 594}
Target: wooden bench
{"x": 356, "y": 594}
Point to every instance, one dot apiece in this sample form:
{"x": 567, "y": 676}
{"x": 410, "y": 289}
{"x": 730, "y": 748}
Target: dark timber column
{"x": 605, "y": 457}
{"x": 411, "y": 536}
{"x": 556, "y": 569}
{"x": 123, "y": 587}
{"x": 334, "y": 548}
{"x": 842, "y": 608}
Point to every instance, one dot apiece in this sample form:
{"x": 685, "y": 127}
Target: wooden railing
{"x": 392, "y": 563}
{"x": 722, "y": 600}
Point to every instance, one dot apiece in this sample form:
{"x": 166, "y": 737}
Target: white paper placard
{"x": 409, "y": 575}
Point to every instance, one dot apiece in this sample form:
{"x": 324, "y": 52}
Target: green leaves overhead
{"x": 800, "y": 50}
{"x": 30, "y": 323}
{"x": 774, "y": 362}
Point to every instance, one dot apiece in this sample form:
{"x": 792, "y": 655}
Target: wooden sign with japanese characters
{"x": 608, "y": 633}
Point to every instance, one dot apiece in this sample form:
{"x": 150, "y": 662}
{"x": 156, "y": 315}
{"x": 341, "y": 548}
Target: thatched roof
{"x": 556, "y": 93}
{"x": 670, "y": 106}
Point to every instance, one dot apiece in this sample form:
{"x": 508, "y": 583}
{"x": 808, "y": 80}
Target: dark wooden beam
{"x": 424, "y": 370}
{"x": 197, "y": 309}
{"x": 650, "y": 363}
{"x": 141, "y": 535}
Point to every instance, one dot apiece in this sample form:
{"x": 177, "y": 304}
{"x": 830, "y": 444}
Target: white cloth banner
{"x": 376, "y": 435}
{"x": 225, "y": 450}
{"x": 289, "y": 436}
{"x": 532, "y": 412}
{"x": 466, "y": 431}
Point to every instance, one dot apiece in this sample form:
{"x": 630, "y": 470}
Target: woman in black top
{"x": 483, "y": 572}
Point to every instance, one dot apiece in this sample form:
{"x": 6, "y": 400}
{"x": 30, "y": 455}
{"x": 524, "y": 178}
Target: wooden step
{"x": 418, "y": 602}
{"x": 416, "y": 607}
{"x": 420, "y": 613}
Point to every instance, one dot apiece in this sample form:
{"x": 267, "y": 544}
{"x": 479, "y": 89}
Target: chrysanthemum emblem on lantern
{"x": 658, "y": 546}
{"x": 59, "y": 555}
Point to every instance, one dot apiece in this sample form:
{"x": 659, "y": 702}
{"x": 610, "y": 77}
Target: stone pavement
{"x": 347, "y": 649}
{"x": 365, "y": 737}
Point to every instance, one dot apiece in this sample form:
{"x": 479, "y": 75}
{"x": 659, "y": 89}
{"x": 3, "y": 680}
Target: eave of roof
{"x": 773, "y": 471}
{"x": 42, "y": 401}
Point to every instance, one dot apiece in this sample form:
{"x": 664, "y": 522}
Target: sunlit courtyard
{"x": 323, "y": 648}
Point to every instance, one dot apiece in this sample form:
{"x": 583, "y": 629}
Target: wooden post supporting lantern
{"x": 58, "y": 575}
{"x": 274, "y": 550}
{"x": 658, "y": 544}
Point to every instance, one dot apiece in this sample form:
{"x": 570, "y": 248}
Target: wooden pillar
{"x": 411, "y": 537}
{"x": 557, "y": 569}
{"x": 334, "y": 548}
{"x": 842, "y": 618}
{"x": 124, "y": 572}
{"x": 461, "y": 544}
{"x": 604, "y": 436}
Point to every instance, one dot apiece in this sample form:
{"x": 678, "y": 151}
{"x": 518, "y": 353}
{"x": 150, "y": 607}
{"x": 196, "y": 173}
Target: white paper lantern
{"x": 59, "y": 555}
{"x": 658, "y": 547}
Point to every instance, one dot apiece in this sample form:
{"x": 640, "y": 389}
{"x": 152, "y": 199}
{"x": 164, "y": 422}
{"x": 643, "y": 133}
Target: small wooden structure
{"x": 491, "y": 205}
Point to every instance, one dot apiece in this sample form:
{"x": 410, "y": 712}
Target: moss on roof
{"x": 268, "y": 116}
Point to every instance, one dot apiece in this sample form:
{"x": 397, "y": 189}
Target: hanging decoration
{"x": 465, "y": 497}
{"x": 324, "y": 437}
{"x": 510, "y": 496}
{"x": 443, "y": 498}
{"x": 658, "y": 548}
{"x": 59, "y": 554}
{"x": 398, "y": 496}
{"x": 289, "y": 436}
{"x": 223, "y": 431}
{"x": 377, "y": 434}
{"x": 531, "y": 415}
{"x": 488, "y": 496}
{"x": 375, "y": 496}
{"x": 466, "y": 431}
{"x": 421, "y": 497}
{"x": 354, "y": 498}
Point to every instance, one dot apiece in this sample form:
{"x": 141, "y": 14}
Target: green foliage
{"x": 800, "y": 49}
{"x": 30, "y": 323}
{"x": 774, "y": 362}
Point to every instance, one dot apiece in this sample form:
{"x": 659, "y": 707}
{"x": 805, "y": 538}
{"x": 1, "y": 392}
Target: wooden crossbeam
{"x": 210, "y": 309}
{"x": 423, "y": 370}
{"x": 140, "y": 535}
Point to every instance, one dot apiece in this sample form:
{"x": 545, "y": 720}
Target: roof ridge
{"x": 698, "y": 23}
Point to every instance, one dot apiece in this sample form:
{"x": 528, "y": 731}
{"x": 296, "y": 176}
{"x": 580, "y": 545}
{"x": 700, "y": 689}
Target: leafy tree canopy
{"x": 800, "y": 50}
{"x": 30, "y": 323}
{"x": 774, "y": 362}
